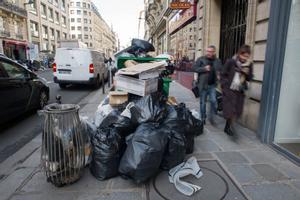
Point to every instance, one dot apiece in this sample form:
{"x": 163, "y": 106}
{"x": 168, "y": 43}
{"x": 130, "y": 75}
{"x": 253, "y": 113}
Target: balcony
{"x": 4, "y": 33}
{"x": 19, "y": 36}
{"x": 10, "y": 7}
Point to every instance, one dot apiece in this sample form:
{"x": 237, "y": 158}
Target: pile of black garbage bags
{"x": 142, "y": 137}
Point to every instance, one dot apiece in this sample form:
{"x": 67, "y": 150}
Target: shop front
{"x": 280, "y": 107}
{"x": 13, "y": 49}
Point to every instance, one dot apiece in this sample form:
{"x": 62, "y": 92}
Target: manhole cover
{"x": 215, "y": 183}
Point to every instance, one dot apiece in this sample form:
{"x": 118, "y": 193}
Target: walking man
{"x": 208, "y": 68}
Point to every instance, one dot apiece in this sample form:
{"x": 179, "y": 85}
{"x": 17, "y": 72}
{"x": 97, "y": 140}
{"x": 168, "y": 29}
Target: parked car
{"x": 20, "y": 90}
{"x": 79, "y": 66}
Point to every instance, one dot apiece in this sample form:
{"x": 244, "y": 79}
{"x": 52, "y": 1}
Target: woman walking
{"x": 236, "y": 74}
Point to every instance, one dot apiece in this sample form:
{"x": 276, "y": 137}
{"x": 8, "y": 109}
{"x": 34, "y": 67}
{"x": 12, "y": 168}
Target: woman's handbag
{"x": 195, "y": 89}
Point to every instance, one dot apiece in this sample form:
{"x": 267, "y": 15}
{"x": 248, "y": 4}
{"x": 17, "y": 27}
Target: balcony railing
{"x": 4, "y": 33}
{"x": 10, "y": 7}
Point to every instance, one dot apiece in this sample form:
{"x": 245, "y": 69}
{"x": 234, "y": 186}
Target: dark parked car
{"x": 20, "y": 90}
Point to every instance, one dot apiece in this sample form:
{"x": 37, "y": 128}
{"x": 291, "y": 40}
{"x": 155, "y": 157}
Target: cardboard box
{"x": 136, "y": 86}
{"x": 117, "y": 98}
{"x": 143, "y": 70}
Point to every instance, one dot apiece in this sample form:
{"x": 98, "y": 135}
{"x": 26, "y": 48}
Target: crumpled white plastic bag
{"x": 190, "y": 167}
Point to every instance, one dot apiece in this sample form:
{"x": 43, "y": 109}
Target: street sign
{"x": 177, "y": 5}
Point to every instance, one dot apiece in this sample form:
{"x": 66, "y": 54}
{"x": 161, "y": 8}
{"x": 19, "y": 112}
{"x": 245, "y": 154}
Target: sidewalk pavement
{"x": 244, "y": 168}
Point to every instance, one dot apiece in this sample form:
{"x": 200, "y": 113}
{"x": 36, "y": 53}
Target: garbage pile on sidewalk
{"x": 140, "y": 137}
{"x": 138, "y": 130}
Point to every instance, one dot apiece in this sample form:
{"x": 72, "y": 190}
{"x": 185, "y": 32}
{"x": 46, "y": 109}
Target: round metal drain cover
{"x": 214, "y": 186}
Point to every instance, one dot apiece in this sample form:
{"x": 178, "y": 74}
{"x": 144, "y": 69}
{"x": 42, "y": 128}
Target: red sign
{"x": 177, "y": 5}
{"x": 182, "y": 18}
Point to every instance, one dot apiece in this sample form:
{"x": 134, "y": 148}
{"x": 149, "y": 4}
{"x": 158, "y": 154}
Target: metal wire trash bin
{"x": 62, "y": 144}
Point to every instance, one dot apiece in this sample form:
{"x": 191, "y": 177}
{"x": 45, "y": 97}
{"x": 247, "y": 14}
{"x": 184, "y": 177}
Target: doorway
{"x": 233, "y": 27}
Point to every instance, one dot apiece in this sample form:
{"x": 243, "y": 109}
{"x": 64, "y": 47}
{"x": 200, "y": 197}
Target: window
{"x": 90, "y": 21}
{"x": 73, "y": 36}
{"x": 79, "y": 28}
{"x": 72, "y": 4}
{"x": 34, "y": 29}
{"x": 84, "y": 5}
{"x": 72, "y": 19}
{"x": 56, "y": 17}
{"x": 91, "y": 37}
{"x": 64, "y": 20}
{"x": 33, "y": 6}
{"x": 65, "y": 36}
{"x": 78, "y": 12}
{"x": 85, "y": 12}
{"x": 86, "y": 28}
{"x": 73, "y": 28}
{"x": 86, "y": 36}
{"x": 63, "y": 5}
{"x": 56, "y": 3}
{"x": 91, "y": 44}
{"x": 79, "y": 36}
{"x": 50, "y": 14}
{"x": 45, "y": 32}
{"x": 89, "y": 6}
{"x": 85, "y": 21}
{"x": 78, "y": 4}
{"x": 90, "y": 29}
{"x": 72, "y": 12}
{"x": 43, "y": 10}
{"x": 58, "y": 35}
{"x": 52, "y": 33}
{"x": 90, "y": 13}
{"x": 12, "y": 70}
{"x": 79, "y": 20}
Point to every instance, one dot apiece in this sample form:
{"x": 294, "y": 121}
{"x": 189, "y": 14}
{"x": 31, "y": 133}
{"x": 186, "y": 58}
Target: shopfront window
{"x": 287, "y": 133}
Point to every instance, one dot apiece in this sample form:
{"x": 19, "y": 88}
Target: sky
{"x": 123, "y": 16}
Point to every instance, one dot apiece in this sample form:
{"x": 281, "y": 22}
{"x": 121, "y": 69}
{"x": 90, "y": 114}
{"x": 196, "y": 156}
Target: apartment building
{"x": 48, "y": 22}
{"x": 13, "y": 29}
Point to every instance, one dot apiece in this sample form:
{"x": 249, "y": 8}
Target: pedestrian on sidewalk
{"x": 236, "y": 74}
{"x": 208, "y": 69}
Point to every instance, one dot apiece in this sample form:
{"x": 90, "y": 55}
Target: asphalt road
{"x": 20, "y": 131}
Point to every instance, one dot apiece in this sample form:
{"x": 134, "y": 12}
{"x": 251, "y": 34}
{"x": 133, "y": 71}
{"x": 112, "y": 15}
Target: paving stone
{"x": 120, "y": 183}
{"x": 201, "y": 156}
{"x": 269, "y": 172}
{"x": 273, "y": 191}
{"x": 263, "y": 156}
{"x": 231, "y": 157}
{"x": 34, "y": 160}
{"x": 90, "y": 184}
{"x": 112, "y": 196}
{"x": 45, "y": 196}
{"x": 290, "y": 169}
{"x": 9, "y": 185}
{"x": 244, "y": 173}
{"x": 296, "y": 184}
{"x": 206, "y": 146}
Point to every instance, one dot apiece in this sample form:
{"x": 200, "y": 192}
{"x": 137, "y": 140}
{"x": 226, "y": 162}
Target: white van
{"x": 79, "y": 66}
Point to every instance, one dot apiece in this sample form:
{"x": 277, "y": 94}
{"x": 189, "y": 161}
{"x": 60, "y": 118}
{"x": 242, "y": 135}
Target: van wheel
{"x": 97, "y": 83}
{"x": 62, "y": 85}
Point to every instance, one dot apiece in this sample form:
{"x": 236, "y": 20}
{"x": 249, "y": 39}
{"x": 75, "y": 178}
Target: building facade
{"x": 48, "y": 22}
{"x": 272, "y": 33}
{"x": 87, "y": 25}
{"x": 13, "y": 29}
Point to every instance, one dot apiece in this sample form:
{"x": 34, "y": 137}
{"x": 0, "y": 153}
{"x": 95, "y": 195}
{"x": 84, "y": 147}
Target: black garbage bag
{"x": 151, "y": 108}
{"x": 88, "y": 130}
{"x": 107, "y": 150}
{"x": 175, "y": 150}
{"x": 144, "y": 153}
{"x": 124, "y": 126}
{"x": 142, "y": 45}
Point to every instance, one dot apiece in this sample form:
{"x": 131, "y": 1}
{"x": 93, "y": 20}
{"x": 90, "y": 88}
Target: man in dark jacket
{"x": 208, "y": 68}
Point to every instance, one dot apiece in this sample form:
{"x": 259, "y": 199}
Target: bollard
{"x": 103, "y": 84}
{"x": 108, "y": 78}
